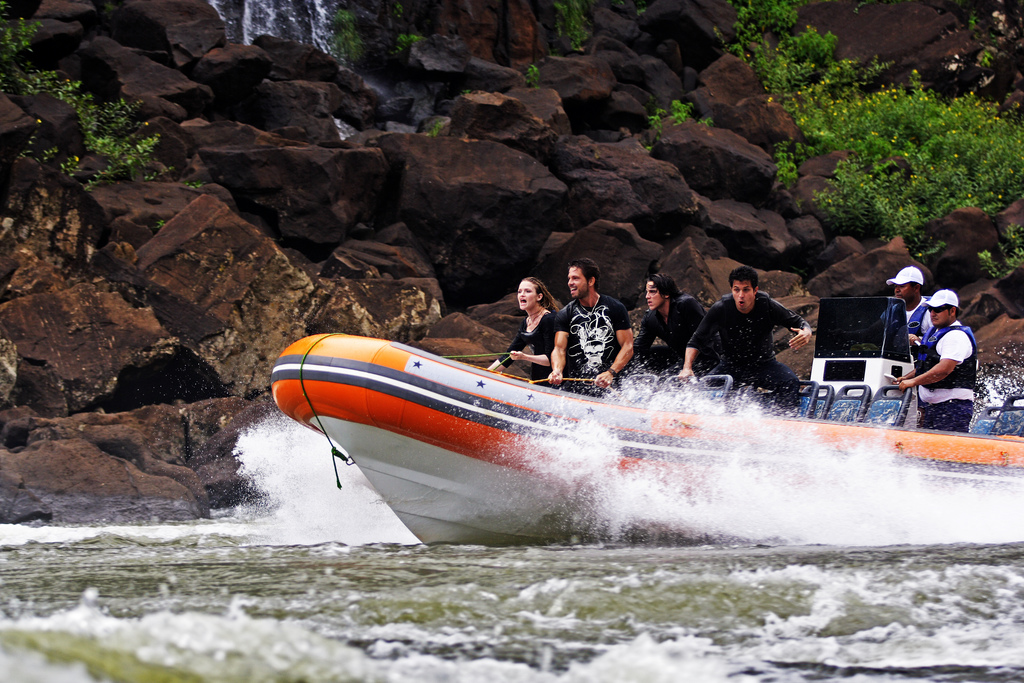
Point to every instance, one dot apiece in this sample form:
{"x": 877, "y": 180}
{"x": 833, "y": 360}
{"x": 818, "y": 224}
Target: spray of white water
{"x": 292, "y": 466}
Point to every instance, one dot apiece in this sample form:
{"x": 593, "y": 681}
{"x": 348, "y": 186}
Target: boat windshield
{"x": 862, "y": 327}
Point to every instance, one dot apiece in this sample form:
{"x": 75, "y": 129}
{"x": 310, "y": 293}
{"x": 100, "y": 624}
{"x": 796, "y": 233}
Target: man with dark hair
{"x": 593, "y": 337}
{"x": 947, "y": 368}
{"x": 745, "y": 320}
{"x": 907, "y": 286}
{"x": 672, "y": 317}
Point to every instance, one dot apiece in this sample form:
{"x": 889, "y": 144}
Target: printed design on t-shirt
{"x": 595, "y": 334}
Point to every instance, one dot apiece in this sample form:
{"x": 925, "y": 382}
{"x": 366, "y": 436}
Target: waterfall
{"x": 304, "y": 21}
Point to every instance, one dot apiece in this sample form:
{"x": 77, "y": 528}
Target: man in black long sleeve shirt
{"x": 672, "y": 317}
{"x": 745, "y": 320}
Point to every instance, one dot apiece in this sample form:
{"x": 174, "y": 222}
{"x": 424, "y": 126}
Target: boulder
{"x": 63, "y": 331}
{"x": 402, "y": 310}
{"x": 1001, "y": 346}
{"x": 481, "y": 209}
{"x": 757, "y": 237}
{"x": 358, "y": 100}
{"x": 312, "y": 195}
{"x": 759, "y": 120}
{"x": 965, "y": 232}
{"x": 389, "y": 260}
{"x": 504, "y": 119}
{"x": 717, "y": 163}
{"x": 232, "y": 72}
{"x": 808, "y": 231}
{"x": 481, "y": 74}
{"x": 688, "y": 268}
{"x": 865, "y": 274}
{"x": 579, "y": 80}
{"x": 546, "y": 105}
{"x": 1012, "y": 287}
{"x": 252, "y": 300}
{"x": 620, "y": 182}
{"x": 910, "y": 36}
{"x": 216, "y": 462}
{"x": 53, "y": 41}
{"x": 52, "y": 216}
{"x": 461, "y": 326}
{"x": 1011, "y": 215}
{"x": 294, "y": 61}
{"x": 75, "y": 482}
{"x": 624, "y": 257}
{"x": 146, "y": 205}
{"x": 111, "y": 70}
{"x": 82, "y": 11}
{"x": 701, "y": 28}
{"x": 438, "y": 55}
{"x": 16, "y": 130}
{"x": 309, "y": 105}
{"x": 506, "y": 33}
{"x": 613, "y": 25}
{"x": 185, "y": 30}
{"x": 58, "y": 129}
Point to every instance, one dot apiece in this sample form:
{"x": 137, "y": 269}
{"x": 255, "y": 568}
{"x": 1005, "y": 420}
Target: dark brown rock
{"x": 757, "y": 237}
{"x": 358, "y": 100}
{"x": 296, "y": 61}
{"x": 701, "y": 28}
{"x": 147, "y": 205}
{"x": 865, "y": 274}
{"x": 395, "y": 261}
{"x": 309, "y": 105}
{"x": 688, "y": 268}
{"x": 546, "y": 105}
{"x": 185, "y": 30}
{"x": 487, "y": 76}
{"x": 402, "y": 310}
{"x": 506, "y": 33}
{"x": 16, "y": 129}
{"x": 311, "y": 194}
{"x": 717, "y": 162}
{"x": 1012, "y": 287}
{"x": 965, "y": 232}
{"x": 461, "y": 326}
{"x": 216, "y": 463}
{"x": 504, "y": 119}
{"x": 111, "y": 70}
{"x": 578, "y": 80}
{"x": 620, "y": 182}
{"x": 232, "y": 72}
{"x": 624, "y": 257}
{"x": 53, "y": 41}
{"x": 1001, "y": 346}
{"x": 253, "y": 297}
{"x": 76, "y": 482}
{"x": 87, "y": 339}
{"x": 58, "y": 129}
{"x": 481, "y": 209}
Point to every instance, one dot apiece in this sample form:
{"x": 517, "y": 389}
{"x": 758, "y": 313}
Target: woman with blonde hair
{"x": 537, "y": 330}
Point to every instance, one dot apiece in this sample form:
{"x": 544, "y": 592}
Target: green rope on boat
{"x": 336, "y": 453}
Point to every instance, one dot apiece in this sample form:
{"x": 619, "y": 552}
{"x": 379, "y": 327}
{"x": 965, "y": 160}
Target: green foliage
{"x": 532, "y": 76}
{"x": 346, "y": 44}
{"x": 108, "y": 129}
{"x": 641, "y": 6}
{"x": 571, "y": 21}
{"x": 785, "y": 161}
{"x": 397, "y": 10}
{"x": 404, "y": 42}
{"x": 436, "y": 128}
{"x": 681, "y": 111}
{"x": 193, "y": 183}
{"x": 1012, "y": 246}
{"x": 960, "y": 153}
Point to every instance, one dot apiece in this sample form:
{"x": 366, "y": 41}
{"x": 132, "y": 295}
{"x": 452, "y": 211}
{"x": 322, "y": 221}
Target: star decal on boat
{"x": 480, "y": 384}
{"x": 529, "y": 397}
{"x": 417, "y": 364}
{"x": 590, "y": 410}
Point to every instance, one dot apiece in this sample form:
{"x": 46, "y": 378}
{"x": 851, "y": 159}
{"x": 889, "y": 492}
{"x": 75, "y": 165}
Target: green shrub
{"x": 1012, "y": 245}
{"x": 346, "y": 44}
{"x": 404, "y": 41}
{"x": 15, "y": 38}
{"x": 681, "y": 111}
{"x": 532, "y": 76}
{"x": 571, "y": 21}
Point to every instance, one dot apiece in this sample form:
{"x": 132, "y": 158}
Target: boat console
{"x": 860, "y": 340}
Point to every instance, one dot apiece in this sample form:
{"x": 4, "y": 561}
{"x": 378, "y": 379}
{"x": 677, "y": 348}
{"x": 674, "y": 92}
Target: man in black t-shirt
{"x": 745, "y": 320}
{"x": 593, "y": 337}
{"x": 673, "y": 317}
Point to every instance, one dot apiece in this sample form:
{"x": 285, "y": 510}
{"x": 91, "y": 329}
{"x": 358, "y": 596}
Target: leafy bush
{"x": 532, "y": 76}
{"x": 108, "y": 129}
{"x": 404, "y": 42}
{"x": 571, "y": 21}
{"x": 1012, "y": 245}
{"x": 346, "y": 44}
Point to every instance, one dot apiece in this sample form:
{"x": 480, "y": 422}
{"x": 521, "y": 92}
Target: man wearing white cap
{"x": 946, "y": 369}
{"x": 907, "y": 286}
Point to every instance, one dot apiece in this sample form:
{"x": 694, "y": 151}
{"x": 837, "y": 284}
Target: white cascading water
{"x": 304, "y": 21}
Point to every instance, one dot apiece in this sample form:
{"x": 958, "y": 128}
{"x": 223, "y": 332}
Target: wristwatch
{"x": 612, "y": 370}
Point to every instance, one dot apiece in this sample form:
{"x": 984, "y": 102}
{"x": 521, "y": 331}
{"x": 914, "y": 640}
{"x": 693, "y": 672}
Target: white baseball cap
{"x": 943, "y": 297}
{"x": 908, "y": 274}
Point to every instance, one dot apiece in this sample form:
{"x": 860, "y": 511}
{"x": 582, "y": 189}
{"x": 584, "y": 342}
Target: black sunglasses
{"x": 940, "y": 309}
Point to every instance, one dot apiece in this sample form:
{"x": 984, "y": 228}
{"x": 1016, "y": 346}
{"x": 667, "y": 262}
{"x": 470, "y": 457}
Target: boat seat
{"x": 1011, "y": 418}
{"x": 984, "y": 423}
{"x": 826, "y": 395}
{"x": 808, "y": 395}
{"x": 715, "y": 386}
{"x": 850, "y": 404}
{"x": 889, "y": 406}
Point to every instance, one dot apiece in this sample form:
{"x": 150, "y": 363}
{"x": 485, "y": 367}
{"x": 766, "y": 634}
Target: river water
{"x": 872, "y": 580}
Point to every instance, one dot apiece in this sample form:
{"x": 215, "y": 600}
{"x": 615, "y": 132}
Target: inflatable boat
{"x": 463, "y": 455}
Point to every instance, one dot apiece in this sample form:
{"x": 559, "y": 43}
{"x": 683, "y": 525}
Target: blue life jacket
{"x": 964, "y": 375}
{"x": 916, "y": 321}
